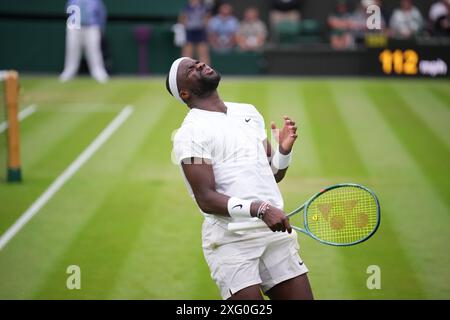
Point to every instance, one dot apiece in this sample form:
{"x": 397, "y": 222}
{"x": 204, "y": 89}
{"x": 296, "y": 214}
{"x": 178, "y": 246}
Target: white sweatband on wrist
{"x": 281, "y": 161}
{"x": 238, "y": 208}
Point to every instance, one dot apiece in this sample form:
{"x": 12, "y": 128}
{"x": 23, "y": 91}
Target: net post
{"x": 12, "y": 104}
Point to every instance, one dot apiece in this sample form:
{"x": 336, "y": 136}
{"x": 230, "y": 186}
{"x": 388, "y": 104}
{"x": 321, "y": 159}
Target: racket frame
{"x": 305, "y": 206}
{"x": 340, "y": 185}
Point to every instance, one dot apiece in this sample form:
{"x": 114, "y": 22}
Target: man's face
{"x": 406, "y": 4}
{"x": 194, "y": 3}
{"x": 251, "y": 15}
{"x": 341, "y": 7}
{"x": 197, "y": 78}
{"x": 225, "y": 10}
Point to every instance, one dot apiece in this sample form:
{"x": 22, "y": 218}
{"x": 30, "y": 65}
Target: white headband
{"x": 173, "y": 78}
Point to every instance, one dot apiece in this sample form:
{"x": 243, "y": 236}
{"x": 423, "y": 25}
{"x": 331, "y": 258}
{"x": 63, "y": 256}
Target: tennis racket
{"x": 340, "y": 215}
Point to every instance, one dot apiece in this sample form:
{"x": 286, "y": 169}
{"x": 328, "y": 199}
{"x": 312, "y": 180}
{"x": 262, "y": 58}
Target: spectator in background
{"x": 439, "y": 16}
{"x": 223, "y": 28}
{"x": 341, "y": 25}
{"x": 358, "y": 20}
{"x": 252, "y": 33}
{"x": 284, "y": 10}
{"x": 384, "y": 13}
{"x": 406, "y": 21}
{"x": 86, "y": 38}
{"x": 195, "y": 17}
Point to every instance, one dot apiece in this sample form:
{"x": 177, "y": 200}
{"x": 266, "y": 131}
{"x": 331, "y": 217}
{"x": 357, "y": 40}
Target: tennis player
{"x": 231, "y": 173}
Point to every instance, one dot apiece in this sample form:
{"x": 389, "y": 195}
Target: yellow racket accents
{"x": 324, "y": 209}
{"x": 342, "y": 215}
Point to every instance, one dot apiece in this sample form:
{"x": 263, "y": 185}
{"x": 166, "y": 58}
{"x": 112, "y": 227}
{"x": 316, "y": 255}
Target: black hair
{"x": 168, "y": 85}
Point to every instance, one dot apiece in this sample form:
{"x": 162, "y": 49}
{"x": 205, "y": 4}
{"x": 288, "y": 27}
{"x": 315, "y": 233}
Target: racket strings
{"x": 343, "y": 215}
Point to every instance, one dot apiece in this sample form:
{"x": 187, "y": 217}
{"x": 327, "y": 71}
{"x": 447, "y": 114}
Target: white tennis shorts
{"x": 240, "y": 260}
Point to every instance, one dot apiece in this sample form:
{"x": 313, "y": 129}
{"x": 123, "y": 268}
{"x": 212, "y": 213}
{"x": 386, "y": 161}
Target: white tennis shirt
{"x": 233, "y": 144}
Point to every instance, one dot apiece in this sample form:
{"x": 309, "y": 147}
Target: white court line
{"x": 66, "y": 175}
{"x": 28, "y": 111}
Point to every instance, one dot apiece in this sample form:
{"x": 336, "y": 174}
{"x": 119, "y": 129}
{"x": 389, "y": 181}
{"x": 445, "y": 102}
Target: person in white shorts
{"x": 85, "y": 38}
{"x": 232, "y": 175}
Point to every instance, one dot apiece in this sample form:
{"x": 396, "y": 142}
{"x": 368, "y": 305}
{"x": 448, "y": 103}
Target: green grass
{"x": 126, "y": 218}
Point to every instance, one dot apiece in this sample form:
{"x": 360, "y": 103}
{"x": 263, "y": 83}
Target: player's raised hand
{"x": 285, "y": 136}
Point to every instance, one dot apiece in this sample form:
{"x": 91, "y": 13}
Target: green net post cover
{"x": 14, "y": 175}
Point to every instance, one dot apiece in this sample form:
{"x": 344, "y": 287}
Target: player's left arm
{"x": 286, "y": 137}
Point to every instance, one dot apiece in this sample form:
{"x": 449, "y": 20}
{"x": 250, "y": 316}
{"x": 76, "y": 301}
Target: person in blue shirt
{"x": 85, "y": 25}
{"x": 223, "y": 28}
{"x": 194, "y": 18}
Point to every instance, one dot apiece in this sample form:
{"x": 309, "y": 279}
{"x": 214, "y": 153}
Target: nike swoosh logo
{"x": 238, "y": 205}
{"x": 300, "y": 263}
{"x": 247, "y": 120}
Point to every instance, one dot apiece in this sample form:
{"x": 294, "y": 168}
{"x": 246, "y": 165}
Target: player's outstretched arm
{"x": 200, "y": 176}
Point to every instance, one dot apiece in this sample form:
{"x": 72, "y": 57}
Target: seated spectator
{"x": 341, "y": 26}
{"x": 194, "y": 18}
{"x": 384, "y": 12}
{"x": 252, "y": 33}
{"x": 439, "y": 16}
{"x": 222, "y": 29}
{"x": 283, "y": 10}
{"x": 406, "y": 21}
{"x": 358, "y": 20}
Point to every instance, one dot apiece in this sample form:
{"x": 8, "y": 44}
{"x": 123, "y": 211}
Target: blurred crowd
{"x": 348, "y": 27}
{"x": 199, "y": 29}
{"x": 206, "y": 24}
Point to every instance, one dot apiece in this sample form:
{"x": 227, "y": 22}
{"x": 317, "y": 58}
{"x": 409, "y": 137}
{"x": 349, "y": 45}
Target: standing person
{"x": 222, "y": 29}
{"x": 252, "y": 33}
{"x": 230, "y": 172}
{"x": 194, "y": 17}
{"x": 86, "y": 39}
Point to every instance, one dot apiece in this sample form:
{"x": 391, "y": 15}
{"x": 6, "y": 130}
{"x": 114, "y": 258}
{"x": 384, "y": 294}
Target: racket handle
{"x": 241, "y": 226}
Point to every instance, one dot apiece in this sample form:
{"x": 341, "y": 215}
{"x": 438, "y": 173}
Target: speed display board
{"x": 418, "y": 61}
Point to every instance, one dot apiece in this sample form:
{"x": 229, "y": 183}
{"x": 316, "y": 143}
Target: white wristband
{"x": 281, "y": 161}
{"x": 238, "y": 208}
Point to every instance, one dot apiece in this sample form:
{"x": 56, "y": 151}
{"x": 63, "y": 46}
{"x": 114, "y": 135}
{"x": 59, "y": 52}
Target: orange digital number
{"x": 400, "y": 62}
{"x": 411, "y": 62}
